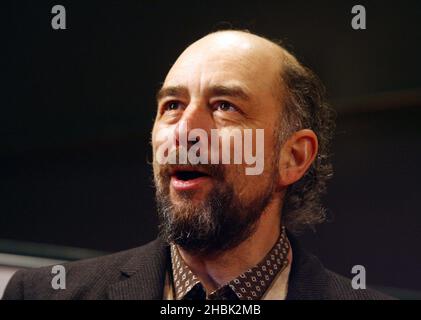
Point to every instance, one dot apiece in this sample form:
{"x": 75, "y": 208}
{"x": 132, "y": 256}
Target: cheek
{"x": 247, "y": 187}
{"x": 271, "y": 152}
{"x": 160, "y": 135}
{"x": 244, "y": 185}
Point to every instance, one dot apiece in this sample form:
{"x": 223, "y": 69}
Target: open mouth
{"x": 188, "y": 178}
{"x": 189, "y": 175}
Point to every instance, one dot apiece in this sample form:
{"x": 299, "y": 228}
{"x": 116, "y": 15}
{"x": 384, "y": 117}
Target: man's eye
{"x": 225, "y": 106}
{"x": 172, "y": 105}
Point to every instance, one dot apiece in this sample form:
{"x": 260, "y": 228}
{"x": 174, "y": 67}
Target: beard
{"x": 218, "y": 223}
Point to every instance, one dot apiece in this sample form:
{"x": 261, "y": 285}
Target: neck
{"x": 214, "y": 271}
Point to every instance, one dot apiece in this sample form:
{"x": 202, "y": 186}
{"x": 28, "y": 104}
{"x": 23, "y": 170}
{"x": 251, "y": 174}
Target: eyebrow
{"x": 230, "y": 91}
{"x": 175, "y": 91}
{"x": 234, "y": 91}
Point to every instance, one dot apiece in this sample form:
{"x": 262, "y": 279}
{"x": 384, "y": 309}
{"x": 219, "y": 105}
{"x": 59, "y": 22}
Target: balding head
{"x": 240, "y": 44}
{"x": 257, "y": 59}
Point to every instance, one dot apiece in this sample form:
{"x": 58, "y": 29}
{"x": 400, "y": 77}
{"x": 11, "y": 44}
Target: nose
{"x": 194, "y": 116}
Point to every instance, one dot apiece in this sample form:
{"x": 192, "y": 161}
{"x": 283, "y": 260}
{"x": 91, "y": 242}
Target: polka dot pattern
{"x": 251, "y": 285}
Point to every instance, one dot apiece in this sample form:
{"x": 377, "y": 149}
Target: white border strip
{"x": 21, "y": 261}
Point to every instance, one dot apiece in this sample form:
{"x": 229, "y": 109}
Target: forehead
{"x": 226, "y": 61}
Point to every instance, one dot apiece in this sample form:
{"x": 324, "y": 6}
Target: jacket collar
{"x": 143, "y": 276}
{"x": 308, "y": 279}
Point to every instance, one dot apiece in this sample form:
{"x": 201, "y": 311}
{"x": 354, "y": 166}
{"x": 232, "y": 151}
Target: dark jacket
{"x": 139, "y": 274}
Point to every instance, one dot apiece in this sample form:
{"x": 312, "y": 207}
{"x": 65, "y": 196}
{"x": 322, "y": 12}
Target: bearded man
{"x": 225, "y": 234}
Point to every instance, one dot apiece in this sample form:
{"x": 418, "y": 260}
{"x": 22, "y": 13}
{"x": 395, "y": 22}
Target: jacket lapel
{"x": 142, "y": 277}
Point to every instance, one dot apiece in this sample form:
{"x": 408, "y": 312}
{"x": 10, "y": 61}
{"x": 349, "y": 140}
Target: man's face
{"x": 222, "y": 83}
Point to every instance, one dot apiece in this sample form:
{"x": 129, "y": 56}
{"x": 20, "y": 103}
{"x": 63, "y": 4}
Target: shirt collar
{"x": 250, "y": 285}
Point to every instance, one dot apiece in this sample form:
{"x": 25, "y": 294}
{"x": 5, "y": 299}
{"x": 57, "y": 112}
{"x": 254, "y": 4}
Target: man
{"x": 225, "y": 234}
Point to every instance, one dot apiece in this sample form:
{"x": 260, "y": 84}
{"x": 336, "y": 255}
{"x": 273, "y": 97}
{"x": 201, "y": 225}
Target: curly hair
{"x": 305, "y": 107}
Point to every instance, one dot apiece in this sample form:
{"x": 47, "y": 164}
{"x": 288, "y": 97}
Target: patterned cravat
{"x": 250, "y": 285}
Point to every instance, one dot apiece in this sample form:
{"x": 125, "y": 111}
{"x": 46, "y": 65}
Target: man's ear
{"x": 297, "y": 154}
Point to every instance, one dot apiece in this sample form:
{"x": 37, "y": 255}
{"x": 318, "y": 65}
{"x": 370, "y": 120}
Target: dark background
{"x": 77, "y": 107}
